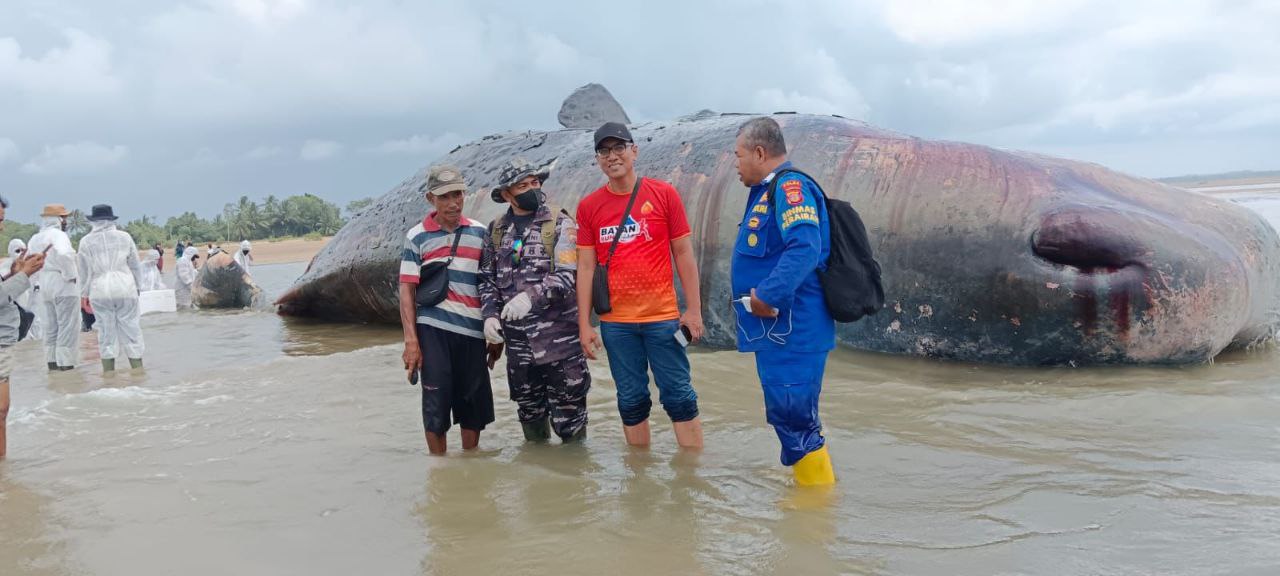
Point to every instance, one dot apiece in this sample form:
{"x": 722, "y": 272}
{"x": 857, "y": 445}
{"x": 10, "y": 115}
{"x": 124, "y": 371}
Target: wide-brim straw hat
{"x": 51, "y": 210}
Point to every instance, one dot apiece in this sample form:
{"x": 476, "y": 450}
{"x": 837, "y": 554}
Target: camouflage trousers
{"x": 558, "y": 389}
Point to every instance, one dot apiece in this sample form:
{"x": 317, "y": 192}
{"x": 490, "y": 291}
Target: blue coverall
{"x": 783, "y": 241}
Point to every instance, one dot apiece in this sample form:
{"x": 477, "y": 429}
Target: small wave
{"x": 125, "y": 393}
{"x": 28, "y": 414}
{"x": 214, "y": 400}
{"x": 75, "y": 406}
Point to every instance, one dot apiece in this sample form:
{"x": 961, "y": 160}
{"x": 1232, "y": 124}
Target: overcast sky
{"x": 161, "y": 106}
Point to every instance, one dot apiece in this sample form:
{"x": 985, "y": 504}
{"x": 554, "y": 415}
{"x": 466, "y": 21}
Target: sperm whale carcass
{"x": 987, "y": 255}
{"x": 222, "y": 283}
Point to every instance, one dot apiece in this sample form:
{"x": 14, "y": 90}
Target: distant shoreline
{"x": 1251, "y": 184}
{"x": 264, "y": 251}
{"x": 1224, "y": 179}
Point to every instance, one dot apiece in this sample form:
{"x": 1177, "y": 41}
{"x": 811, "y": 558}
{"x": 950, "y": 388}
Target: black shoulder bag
{"x": 433, "y": 280}
{"x": 25, "y": 319}
{"x": 600, "y": 282}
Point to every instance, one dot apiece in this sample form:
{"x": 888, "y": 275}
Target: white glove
{"x": 492, "y": 331}
{"x": 517, "y": 308}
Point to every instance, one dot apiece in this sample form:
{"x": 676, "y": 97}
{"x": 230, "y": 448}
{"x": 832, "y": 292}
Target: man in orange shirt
{"x": 633, "y": 227}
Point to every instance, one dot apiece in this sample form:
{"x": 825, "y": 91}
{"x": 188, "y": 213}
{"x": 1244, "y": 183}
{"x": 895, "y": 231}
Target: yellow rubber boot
{"x": 814, "y": 469}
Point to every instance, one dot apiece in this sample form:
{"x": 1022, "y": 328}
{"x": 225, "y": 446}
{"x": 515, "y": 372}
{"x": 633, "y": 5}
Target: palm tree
{"x": 219, "y": 228}
{"x": 229, "y": 216}
{"x": 246, "y": 220}
{"x": 272, "y": 216}
{"x": 77, "y": 224}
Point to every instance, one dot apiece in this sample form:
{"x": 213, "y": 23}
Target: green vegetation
{"x": 296, "y": 216}
{"x": 13, "y": 230}
{"x": 357, "y": 206}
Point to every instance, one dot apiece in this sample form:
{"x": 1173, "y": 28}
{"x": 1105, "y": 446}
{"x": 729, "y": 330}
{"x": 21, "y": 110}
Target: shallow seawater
{"x": 258, "y": 445}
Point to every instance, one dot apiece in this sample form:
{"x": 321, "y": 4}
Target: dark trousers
{"x": 455, "y": 380}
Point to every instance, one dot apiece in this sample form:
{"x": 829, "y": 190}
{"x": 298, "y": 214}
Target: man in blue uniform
{"x": 783, "y": 241}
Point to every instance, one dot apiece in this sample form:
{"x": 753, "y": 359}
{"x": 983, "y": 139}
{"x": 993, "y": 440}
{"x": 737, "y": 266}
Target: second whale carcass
{"x": 987, "y": 255}
{"x": 222, "y": 283}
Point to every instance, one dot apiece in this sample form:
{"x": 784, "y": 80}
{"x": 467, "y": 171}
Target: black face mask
{"x": 245, "y": 251}
{"x": 529, "y": 199}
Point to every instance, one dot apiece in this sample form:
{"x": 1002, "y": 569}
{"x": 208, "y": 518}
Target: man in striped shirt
{"x": 445, "y": 343}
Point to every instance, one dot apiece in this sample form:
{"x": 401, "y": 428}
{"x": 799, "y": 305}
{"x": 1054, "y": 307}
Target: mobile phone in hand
{"x": 683, "y": 336}
{"x": 413, "y": 378}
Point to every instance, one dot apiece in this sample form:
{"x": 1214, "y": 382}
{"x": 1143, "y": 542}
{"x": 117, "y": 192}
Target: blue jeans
{"x": 633, "y": 350}
{"x": 792, "y": 383}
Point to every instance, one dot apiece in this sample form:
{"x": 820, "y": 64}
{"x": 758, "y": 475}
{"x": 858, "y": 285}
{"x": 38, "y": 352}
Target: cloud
{"x": 389, "y": 84}
{"x": 205, "y": 157}
{"x": 316, "y": 150}
{"x": 551, "y": 54}
{"x": 81, "y": 69}
{"x": 261, "y": 12}
{"x": 264, "y": 152}
{"x": 81, "y": 156}
{"x": 418, "y": 145}
{"x": 942, "y": 22}
{"x": 254, "y": 60}
{"x": 8, "y": 151}
{"x": 828, "y": 91}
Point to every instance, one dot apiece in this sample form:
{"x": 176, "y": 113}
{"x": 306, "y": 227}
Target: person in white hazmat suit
{"x": 59, "y": 295}
{"x": 242, "y": 257}
{"x": 151, "y": 271}
{"x": 16, "y": 249}
{"x": 186, "y": 276}
{"x": 110, "y": 275}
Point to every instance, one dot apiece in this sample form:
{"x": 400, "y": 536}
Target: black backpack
{"x": 851, "y": 283}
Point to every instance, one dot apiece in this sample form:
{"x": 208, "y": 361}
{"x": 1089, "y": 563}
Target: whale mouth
{"x": 1091, "y": 239}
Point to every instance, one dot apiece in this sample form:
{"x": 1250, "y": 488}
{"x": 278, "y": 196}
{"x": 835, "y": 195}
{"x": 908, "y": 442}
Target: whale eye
{"x": 1089, "y": 237}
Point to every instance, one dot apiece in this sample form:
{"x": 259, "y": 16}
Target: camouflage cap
{"x": 516, "y": 170}
{"x": 444, "y": 179}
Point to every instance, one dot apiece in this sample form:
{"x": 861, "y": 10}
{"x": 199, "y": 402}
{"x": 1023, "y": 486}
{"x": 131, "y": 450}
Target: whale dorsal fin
{"x": 589, "y": 107}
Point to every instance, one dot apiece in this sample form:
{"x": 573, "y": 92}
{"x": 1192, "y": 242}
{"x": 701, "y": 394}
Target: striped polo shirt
{"x": 427, "y": 243}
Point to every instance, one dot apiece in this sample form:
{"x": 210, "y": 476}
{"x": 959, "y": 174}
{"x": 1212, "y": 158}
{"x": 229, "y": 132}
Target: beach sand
{"x": 1266, "y": 184}
{"x": 264, "y": 251}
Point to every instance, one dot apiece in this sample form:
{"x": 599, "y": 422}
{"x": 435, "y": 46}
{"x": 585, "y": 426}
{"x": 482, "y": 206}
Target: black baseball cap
{"x": 613, "y": 130}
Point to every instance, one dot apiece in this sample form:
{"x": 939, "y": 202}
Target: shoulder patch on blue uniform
{"x": 794, "y": 189}
{"x": 799, "y": 215}
{"x": 800, "y": 207}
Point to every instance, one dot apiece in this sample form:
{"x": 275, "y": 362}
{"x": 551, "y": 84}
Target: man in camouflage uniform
{"x": 528, "y": 298}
